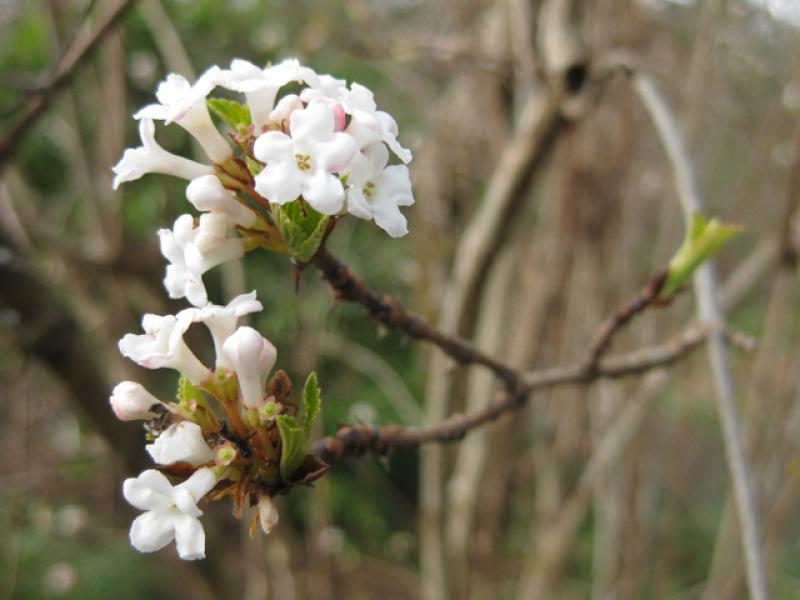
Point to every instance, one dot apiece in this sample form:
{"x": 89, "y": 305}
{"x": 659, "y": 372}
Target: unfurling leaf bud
{"x": 703, "y": 238}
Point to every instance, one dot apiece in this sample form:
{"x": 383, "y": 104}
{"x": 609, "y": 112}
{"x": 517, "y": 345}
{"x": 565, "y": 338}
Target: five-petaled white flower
{"x": 192, "y": 251}
{"x": 260, "y": 86}
{"x": 376, "y": 191}
{"x": 222, "y": 320}
{"x": 131, "y": 402}
{"x": 172, "y": 512}
{"x": 207, "y": 194}
{"x": 152, "y": 158}
{"x": 181, "y": 442}
{"x": 305, "y": 162}
{"x": 162, "y": 346}
{"x": 185, "y": 104}
{"x": 252, "y": 357}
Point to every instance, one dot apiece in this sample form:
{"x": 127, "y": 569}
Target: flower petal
{"x": 190, "y": 538}
{"x": 334, "y": 154}
{"x": 357, "y": 204}
{"x": 149, "y": 491}
{"x": 273, "y": 145}
{"x": 152, "y": 530}
{"x": 280, "y": 182}
{"x": 312, "y": 124}
{"x": 324, "y": 192}
{"x": 200, "y": 483}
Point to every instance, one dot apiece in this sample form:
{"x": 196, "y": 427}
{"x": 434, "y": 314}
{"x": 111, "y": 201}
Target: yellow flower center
{"x": 369, "y": 189}
{"x": 303, "y": 162}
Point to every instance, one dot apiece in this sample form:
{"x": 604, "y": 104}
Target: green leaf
{"x": 293, "y": 445}
{"x": 301, "y": 227}
{"x": 311, "y": 402}
{"x": 235, "y": 114}
{"x": 703, "y": 238}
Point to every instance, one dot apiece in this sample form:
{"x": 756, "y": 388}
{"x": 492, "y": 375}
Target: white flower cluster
{"x": 171, "y": 512}
{"x": 327, "y": 144}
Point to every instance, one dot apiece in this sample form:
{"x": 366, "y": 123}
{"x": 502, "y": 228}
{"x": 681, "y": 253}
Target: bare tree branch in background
{"x": 80, "y": 49}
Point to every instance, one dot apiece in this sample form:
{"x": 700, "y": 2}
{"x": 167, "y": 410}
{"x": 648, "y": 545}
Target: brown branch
{"x": 392, "y": 314}
{"x": 358, "y": 440}
{"x": 59, "y": 75}
{"x": 623, "y": 315}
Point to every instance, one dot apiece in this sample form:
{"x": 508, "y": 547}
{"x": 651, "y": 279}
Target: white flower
{"x": 131, "y": 402}
{"x": 192, "y": 251}
{"x": 171, "y": 512}
{"x": 267, "y": 513}
{"x": 181, "y": 442}
{"x": 162, "y": 346}
{"x": 152, "y": 158}
{"x": 376, "y": 191}
{"x": 367, "y": 123}
{"x": 222, "y": 320}
{"x": 252, "y": 357}
{"x": 285, "y": 107}
{"x": 207, "y": 193}
{"x": 260, "y": 86}
{"x": 304, "y": 163}
{"x": 185, "y": 104}
{"x": 325, "y": 86}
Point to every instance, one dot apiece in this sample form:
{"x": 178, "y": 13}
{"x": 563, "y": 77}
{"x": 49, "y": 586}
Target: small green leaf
{"x": 293, "y": 445}
{"x": 311, "y": 402}
{"x": 703, "y": 238}
{"x": 301, "y": 227}
{"x": 235, "y": 114}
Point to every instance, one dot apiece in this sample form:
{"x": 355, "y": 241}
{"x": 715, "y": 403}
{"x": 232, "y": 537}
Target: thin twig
{"x": 354, "y": 441}
{"x": 622, "y": 317}
{"x": 708, "y": 311}
{"x": 63, "y": 69}
{"x": 392, "y": 314}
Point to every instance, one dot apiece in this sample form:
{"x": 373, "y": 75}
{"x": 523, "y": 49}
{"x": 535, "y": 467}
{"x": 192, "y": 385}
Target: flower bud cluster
{"x": 302, "y": 137}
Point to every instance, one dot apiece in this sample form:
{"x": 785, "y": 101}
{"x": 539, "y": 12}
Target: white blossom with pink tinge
{"x": 207, "y": 194}
{"x": 376, "y": 192}
{"x": 185, "y": 104}
{"x": 260, "y": 86}
{"x": 152, "y": 158}
{"x": 252, "y": 357}
{"x": 304, "y": 162}
{"x": 222, "y": 321}
{"x": 171, "y": 512}
{"x": 162, "y": 346}
{"x": 131, "y": 402}
{"x": 192, "y": 251}
{"x": 181, "y": 442}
